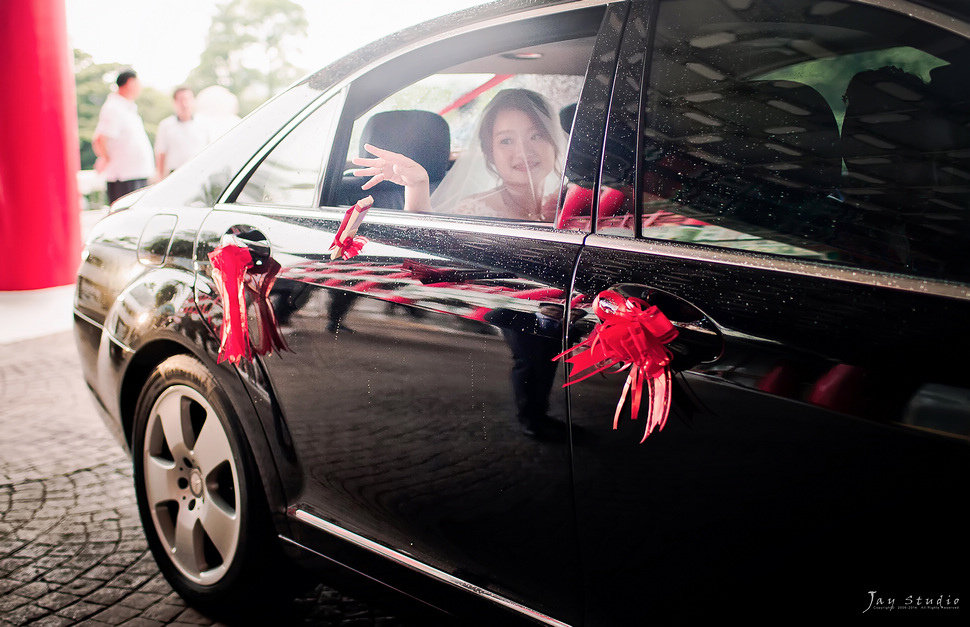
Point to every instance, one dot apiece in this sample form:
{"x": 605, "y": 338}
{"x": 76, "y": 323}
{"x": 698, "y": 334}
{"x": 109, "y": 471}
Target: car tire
{"x": 199, "y": 494}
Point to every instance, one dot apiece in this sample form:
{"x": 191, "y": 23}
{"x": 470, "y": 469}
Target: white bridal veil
{"x": 473, "y": 184}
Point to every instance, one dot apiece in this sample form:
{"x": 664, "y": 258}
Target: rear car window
{"x": 826, "y": 131}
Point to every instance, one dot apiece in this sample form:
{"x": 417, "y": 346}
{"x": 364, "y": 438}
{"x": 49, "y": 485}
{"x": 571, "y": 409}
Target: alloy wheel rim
{"x": 191, "y": 484}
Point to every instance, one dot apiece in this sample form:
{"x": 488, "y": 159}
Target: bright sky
{"x": 163, "y": 39}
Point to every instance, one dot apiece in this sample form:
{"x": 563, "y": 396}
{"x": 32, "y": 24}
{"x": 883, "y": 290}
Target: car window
{"x": 829, "y": 131}
{"x": 290, "y": 173}
{"x": 435, "y": 118}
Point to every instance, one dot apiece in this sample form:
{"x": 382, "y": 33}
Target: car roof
{"x": 427, "y": 31}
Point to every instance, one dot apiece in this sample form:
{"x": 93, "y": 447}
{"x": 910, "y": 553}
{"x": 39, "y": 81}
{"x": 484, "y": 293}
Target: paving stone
{"x": 28, "y": 573}
{"x": 141, "y": 622}
{"x": 141, "y": 600}
{"x": 35, "y": 590}
{"x": 56, "y": 600}
{"x": 116, "y": 614}
{"x": 106, "y": 596}
{"x": 163, "y": 612}
{"x": 25, "y": 614}
{"x": 82, "y": 586}
{"x": 62, "y": 575}
{"x": 52, "y": 620}
{"x": 80, "y": 610}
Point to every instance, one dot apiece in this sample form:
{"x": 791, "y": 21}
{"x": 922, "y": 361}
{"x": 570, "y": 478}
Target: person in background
{"x": 120, "y": 141}
{"x": 180, "y": 136}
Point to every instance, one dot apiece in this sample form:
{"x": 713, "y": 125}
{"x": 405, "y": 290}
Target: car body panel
{"x": 426, "y": 403}
{"x": 817, "y": 446}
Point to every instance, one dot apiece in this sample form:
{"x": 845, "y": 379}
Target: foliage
{"x": 248, "y": 49}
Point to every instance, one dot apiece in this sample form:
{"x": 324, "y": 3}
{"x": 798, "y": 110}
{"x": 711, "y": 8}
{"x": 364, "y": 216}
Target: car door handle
{"x": 698, "y": 339}
{"x": 251, "y": 238}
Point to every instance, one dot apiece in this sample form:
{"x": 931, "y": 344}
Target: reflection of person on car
{"x": 535, "y": 339}
{"x": 512, "y": 171}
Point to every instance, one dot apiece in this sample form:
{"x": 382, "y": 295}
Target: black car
{"x": 785, "y": 185}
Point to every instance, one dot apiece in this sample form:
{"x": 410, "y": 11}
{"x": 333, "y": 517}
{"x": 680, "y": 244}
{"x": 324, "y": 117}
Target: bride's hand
{"x": 389, "y": 166}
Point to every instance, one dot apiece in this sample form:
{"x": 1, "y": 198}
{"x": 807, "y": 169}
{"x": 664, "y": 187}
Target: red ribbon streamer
{"x": 632, "y": 333}
{"x": 270, "y": 337}
{"x": 234, "y": 273}
{"x": 229, "y": 267}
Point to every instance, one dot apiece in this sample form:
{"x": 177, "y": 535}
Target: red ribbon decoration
{"x": 345, "y": 245}
{"x": 261, "y": 283}
{"x": 234, "y": 273}
{"x": 632, "y": 333}
{"x": 229, "y": 267}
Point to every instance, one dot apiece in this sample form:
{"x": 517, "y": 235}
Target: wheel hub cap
{"x": 195, "y": 483}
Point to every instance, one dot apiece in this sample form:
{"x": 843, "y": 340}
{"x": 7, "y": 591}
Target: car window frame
{"x": 236, "y": 187}
{"x": 362, "y": 96}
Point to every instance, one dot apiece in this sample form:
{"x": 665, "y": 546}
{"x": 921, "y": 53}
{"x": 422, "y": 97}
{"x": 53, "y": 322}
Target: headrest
{"x": 421, "y": 135}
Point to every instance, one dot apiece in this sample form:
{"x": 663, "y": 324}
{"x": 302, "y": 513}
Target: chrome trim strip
{"x": 787, "y": 265}
{"x": 466, "y": 224}
{"x": 105, "y": 331}
{"x": 922, "y": 13}
{"x": 421, "y": 567}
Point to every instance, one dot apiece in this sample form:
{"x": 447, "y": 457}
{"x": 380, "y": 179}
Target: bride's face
{"x": 521, "y": 151}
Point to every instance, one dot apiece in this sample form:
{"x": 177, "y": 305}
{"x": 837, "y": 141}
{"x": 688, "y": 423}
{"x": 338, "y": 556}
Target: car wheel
{"x": 199, "y": 495}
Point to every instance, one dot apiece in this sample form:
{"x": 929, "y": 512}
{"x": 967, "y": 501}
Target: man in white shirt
{"x": 181, "y": 136}
{"x": 120, "y": 141}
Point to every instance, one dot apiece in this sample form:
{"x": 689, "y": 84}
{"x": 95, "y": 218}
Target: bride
{"x": 512, "y": 171}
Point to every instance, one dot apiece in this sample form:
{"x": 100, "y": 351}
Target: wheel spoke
{"x": 222, "y": 526}
{"x": 173, "y": 411}
{"x": 212, "y": 448}
{"x": 188, "y": 541}
{"x": 160, "y": 480}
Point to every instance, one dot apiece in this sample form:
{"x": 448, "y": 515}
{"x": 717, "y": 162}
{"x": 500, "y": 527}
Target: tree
{"x": 248, "y": 49}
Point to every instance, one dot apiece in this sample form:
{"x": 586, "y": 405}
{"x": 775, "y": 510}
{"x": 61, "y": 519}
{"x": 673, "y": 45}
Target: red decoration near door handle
{"x": 229, "y": 267}
{"x": 345, "y": 245}
{"x": 632, "y": 334}
{"x": 234, "y": 272}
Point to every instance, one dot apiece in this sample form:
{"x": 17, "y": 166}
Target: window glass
{"x": 823, "y": 130}
{"x": 514, "y": 173}
{"x": 289, "y": 174}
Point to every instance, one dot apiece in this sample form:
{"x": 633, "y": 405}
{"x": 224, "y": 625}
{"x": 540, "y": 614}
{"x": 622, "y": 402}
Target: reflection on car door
{"x": 817, "y": 440}
{"x": 399, "y": 396}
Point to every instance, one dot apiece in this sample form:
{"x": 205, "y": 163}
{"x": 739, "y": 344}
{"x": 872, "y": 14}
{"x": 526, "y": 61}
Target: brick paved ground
{"x": 71, "y": 546}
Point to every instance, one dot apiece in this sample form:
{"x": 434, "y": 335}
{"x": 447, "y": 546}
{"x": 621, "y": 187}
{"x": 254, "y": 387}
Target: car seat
{"x": 421, "y": 135}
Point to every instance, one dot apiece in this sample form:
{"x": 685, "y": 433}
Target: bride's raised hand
{"x": 389, "y": 166}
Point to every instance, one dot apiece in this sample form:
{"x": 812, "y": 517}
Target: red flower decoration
{"x": 632, "y": 334}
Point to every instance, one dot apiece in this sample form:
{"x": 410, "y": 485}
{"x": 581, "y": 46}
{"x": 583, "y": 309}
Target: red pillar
{"x": 40, "y": 236}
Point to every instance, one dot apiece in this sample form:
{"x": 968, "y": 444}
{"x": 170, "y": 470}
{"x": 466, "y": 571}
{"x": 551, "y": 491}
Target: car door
{"x": 392, "y": 383}
{"x": 817, "y": 439}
